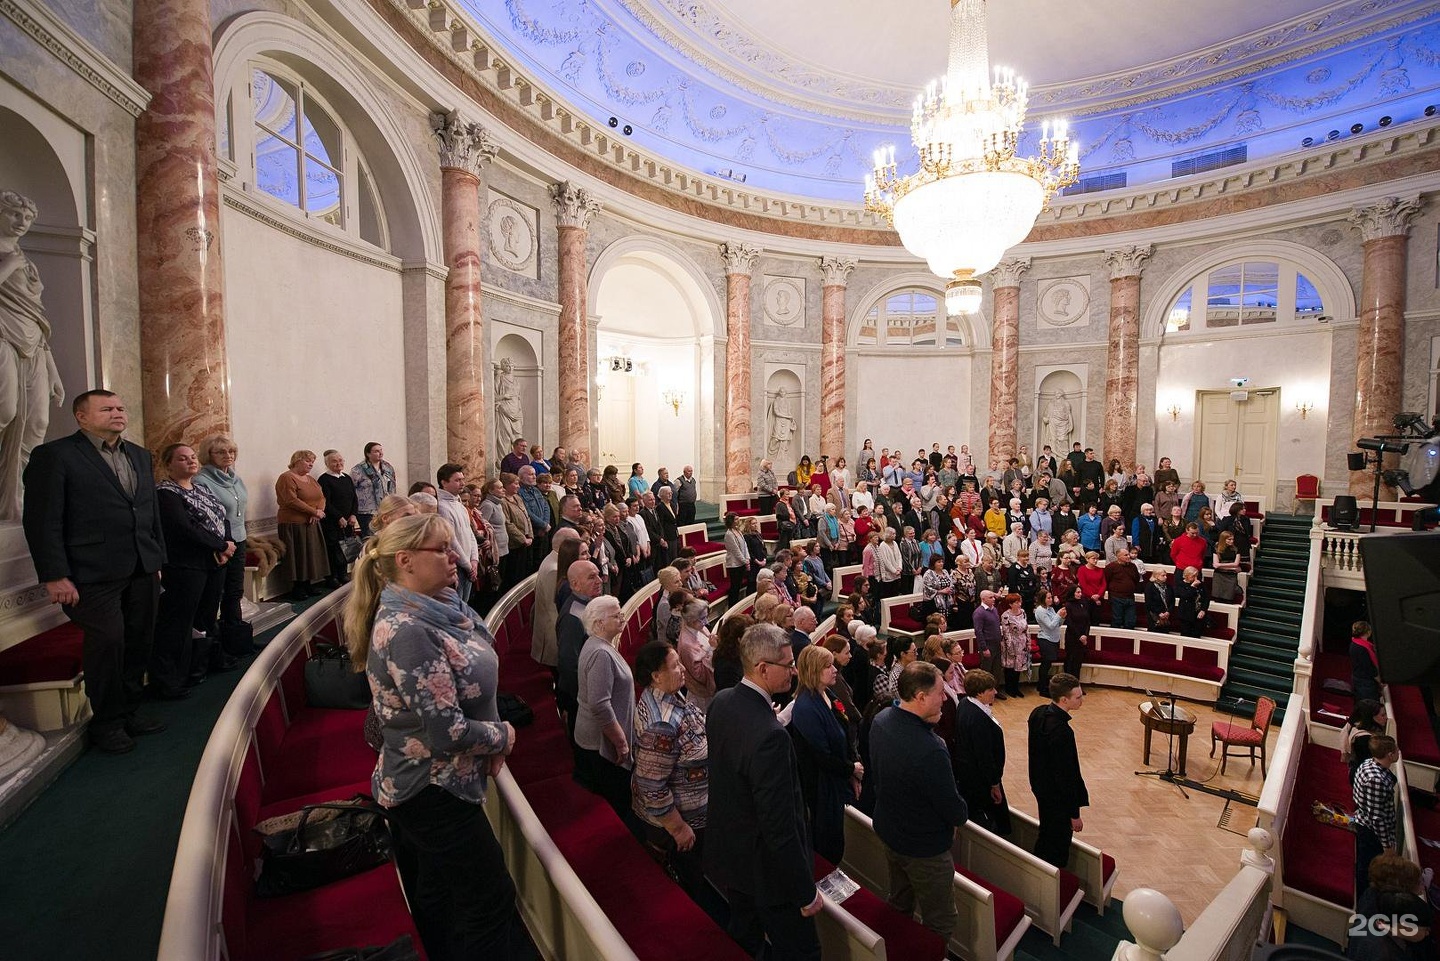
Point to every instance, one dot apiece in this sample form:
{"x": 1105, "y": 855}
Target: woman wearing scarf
{"x": 374, "y": 479}
{"x": 198, "y": 545}
{"x": 433, "y": 673}
{"x": 217, "y": 475}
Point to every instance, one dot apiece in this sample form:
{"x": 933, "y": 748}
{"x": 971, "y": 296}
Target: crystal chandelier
{"x": 972, "y": 198}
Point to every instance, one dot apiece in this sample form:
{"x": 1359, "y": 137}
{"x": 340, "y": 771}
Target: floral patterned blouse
{"x": 433, "y": 671}
{"x": 672, "y": 759}
{"x": 1014, "y": 641}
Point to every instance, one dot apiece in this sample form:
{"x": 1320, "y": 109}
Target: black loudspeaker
{"x": 1355, "y": 460}
{"x": 1402, "y": 587}
{"x": 1345, "y": 513}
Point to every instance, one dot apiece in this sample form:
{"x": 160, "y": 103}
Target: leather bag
{"x": 330, "y": 681}
{"x": 348, "y": 838}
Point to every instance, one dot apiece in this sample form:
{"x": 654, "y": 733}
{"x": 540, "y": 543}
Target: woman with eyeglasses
{"x": 433, "y": 673}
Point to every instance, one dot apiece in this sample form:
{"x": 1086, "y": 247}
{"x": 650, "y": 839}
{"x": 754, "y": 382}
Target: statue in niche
{"x": 509, "y": 415}
{"x": 782, "y": 423}
{"x": 28, "y": 376}
{"x": 1059, "y": 422}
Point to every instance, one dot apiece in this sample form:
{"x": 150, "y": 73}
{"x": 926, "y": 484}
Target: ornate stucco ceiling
{"x": 793, "y": 96}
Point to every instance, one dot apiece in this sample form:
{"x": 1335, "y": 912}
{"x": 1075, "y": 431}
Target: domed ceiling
{"x": 792, "y": 96}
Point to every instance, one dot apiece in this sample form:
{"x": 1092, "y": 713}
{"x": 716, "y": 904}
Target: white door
{"x": 1236, "y": 439}
{"x": 617, "y": 421}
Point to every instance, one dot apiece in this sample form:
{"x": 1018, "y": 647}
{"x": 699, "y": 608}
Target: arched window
{"x": 302, "y": 155}
{"x": 1244, "y": 294}
{"x": 909, "y": 318}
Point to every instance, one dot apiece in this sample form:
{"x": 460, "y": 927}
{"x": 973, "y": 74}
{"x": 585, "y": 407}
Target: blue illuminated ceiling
{"x": 794, "y": 96}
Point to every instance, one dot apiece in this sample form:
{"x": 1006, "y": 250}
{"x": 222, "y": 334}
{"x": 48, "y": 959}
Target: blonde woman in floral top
{"x": 432, "y": 669}
{"x": 671, "y": 786}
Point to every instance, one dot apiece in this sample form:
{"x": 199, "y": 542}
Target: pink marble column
{"x": 1005, "y": 358}
{"x": 573, "y": 209}
{"x": 1122, "y": 362}
{"x": 836, "y": 273}
{"x": 740, "y": 262}
{"x": 464, "y": 147}
{"x": 185, "y": 378}
{"x": 1379, "y": 373}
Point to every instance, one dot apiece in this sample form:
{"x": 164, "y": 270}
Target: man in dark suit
{"x": 979, "y": 760}
{"x": 762, "y": 860}
{"x": 987, "y": 634}
{"x": 1055, "y": 776}
{"x": 91, "y": 522}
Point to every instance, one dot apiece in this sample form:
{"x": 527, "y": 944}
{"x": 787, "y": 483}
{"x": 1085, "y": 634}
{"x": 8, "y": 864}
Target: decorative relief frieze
{"x": 785, "y": 300}
{"x": 512, "y": 231}
{"x": 1064, "y": 302}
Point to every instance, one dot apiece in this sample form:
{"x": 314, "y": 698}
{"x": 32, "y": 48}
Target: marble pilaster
{"x": 573, "y": 209}
{"x": 740, "y": 260}
{"x": 836, "y": 274}
{"x": 1122, "y": 362}
{"x": 1385, "y": 230}
{"x": 1005, "y": 358}
{"x": 464, "y": 148}
{"x": 185, "y": 379}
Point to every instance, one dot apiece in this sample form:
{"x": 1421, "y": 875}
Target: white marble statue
{"x": 782, "y": 424}
{"x": 18, "y": 747}
{"x": 29, "y": 380}
{"x": 509, "y": 415}
{"x": 1059, "y": 421}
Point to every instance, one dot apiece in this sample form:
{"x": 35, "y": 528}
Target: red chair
{"x": 1307, "y": 488}
{"x": 1251, "y": 738}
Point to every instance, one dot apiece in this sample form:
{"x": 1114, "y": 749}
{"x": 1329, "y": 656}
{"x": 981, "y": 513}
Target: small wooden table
{"x": 1167, "y": 718}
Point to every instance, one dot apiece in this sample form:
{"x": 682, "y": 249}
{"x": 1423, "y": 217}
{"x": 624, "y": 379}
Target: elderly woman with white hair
{"x": 864, "y": 670}
{"x": 605, "y": 721}
{"x": 696, "y": 647}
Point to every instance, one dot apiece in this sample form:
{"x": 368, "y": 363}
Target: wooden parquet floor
{"x": 1159, "y": 839}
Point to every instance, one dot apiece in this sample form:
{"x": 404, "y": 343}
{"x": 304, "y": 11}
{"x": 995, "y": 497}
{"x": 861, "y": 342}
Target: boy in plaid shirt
{"x": 1374, "y": 820}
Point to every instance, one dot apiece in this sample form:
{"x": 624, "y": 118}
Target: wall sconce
{"x": 1174, "y": 411}
{"x": 1305, "y": 407}
{"x": 674, "y": 398}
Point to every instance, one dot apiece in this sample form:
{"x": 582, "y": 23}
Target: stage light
{"x": 1385, "y": 121}
{"x": 1355, "y": 460}
{"x": 1356, "y": 127}
{"x": 613, "y": 122}
{"x": 1308, "y": 142}
{"x": 1345, "y": 513}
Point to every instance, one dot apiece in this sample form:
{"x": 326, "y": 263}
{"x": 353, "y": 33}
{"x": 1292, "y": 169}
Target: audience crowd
{"x": 754, "y": 724}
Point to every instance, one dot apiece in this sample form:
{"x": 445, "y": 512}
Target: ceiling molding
{"x": 77, "y": 53}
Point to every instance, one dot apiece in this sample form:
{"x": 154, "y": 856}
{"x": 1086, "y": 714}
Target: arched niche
{"x": 655, "y": 359}
{"x": 1056, "y": 389}
{"x": 515, "y": 391}
{"x": 42, "y": 158}
{"x": 784, "y": 421}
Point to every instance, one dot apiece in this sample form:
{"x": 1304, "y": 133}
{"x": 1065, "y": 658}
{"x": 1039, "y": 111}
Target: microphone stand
{"x": 1168, "y": 775}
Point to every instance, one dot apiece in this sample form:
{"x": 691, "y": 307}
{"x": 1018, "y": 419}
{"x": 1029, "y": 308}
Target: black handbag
{"x": 512, "y": 708}
{"x": 319, "y": 850}
{"x": 401, "y": 949}
{"x": 350, "y": 548}
{"x": 330, "y": 681}
{"x": 237, "y": 638}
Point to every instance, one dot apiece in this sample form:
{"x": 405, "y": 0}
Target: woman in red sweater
{"x": 1092, "y": 582}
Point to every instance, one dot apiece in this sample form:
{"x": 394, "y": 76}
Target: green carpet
{"x": 86, "y": 868}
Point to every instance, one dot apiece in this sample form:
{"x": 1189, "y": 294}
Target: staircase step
{"x": 1249, "y": 664}
{"x": 1271, "y": 622}
{"x": 1268, "y": 656}
{"x": 1263, "y": 680}
{"x": 1264, "y": 596}
{"x": 1270, "y": 640}
{"x": 1270, "y": 644}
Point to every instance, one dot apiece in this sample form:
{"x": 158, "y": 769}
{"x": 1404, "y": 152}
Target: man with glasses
{"x": 765, "y": 865}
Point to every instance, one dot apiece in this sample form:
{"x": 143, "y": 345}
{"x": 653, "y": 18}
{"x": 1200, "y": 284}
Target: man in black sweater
{"x": 1055, "y": 770}
{"x": 917, "y": 807}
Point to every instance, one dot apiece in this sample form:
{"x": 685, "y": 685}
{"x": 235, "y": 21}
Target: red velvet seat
{"x": 1107, "y": 868}
{"x": 1329, "y": 707}
{"x": 1412, "y": 725}
{"x": 900, "y": 620}
{"x": 50, "y": 657}
{"x": 904, "y": 937}
{"x": 1009, "y": 910}
{"x": 1320, "y": 858}
{"x": 321, "y": 749}
{"x": 367, "y": 909}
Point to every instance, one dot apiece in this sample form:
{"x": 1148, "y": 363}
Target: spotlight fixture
{"x": 614, "y": 122}
{"x": 1385, "y": 121}
{"x": 1333, "y": 135}
{"x": 627, "y": 130}
{"x": 1308, "y": 142}
{"x": 1430, "y": 110}
{"x": 1356, "y": 127}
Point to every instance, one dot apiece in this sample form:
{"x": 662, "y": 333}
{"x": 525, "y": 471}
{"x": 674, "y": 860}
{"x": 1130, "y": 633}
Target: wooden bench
{"x": 1051, "y": 894}
{"x": 742, "y": 505}
{"x": 842, "y": 581}
{"x": 863, "y": 926}
{"x": 698, "y": 537}
{"x": 42, "y": 677}
{"x": 1095, "y": 869}
{"x": 991, "y": 921}
{"x": 895, "y": 618}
